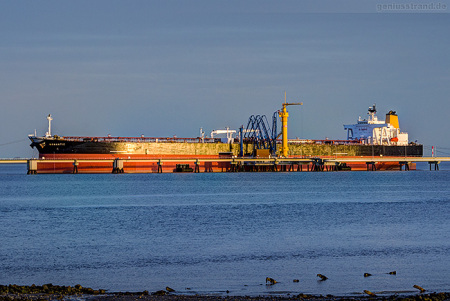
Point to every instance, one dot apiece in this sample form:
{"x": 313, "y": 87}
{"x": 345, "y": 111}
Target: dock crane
{"x": 284, "y": 120}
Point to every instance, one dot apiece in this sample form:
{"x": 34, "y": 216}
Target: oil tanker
{"x": 369, "y": 137}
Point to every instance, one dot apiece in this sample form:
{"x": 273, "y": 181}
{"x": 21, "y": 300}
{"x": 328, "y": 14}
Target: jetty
{"x": 234, "y": 164}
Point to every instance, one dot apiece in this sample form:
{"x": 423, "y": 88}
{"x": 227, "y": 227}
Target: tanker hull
{"x": 104, "y": 150}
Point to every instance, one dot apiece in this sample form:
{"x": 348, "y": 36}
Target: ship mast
{"x": 49, "y": 133}
{"x": 372, "y": 112}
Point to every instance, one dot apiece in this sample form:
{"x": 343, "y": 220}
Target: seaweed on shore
{"x": 44, "y": 292}
{"x": 14, "y": 292}
{"x": 49, "y": 289}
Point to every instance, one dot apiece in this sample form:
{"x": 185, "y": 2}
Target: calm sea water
{"x": 209, "y": 233}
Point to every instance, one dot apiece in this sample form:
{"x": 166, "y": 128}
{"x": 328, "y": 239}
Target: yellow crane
{"x": 284, "y": 120}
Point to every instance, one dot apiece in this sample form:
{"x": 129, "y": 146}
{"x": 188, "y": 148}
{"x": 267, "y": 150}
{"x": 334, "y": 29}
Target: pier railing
{"x": 140, "y": 139}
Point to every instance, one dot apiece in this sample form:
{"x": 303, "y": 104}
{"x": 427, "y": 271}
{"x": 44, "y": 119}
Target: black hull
{"x": 390, "y": 150}
{"x": 60, "y": 146}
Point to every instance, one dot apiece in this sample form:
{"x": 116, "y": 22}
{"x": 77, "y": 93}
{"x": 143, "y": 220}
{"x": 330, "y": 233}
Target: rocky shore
{"x": 79, "y": 293}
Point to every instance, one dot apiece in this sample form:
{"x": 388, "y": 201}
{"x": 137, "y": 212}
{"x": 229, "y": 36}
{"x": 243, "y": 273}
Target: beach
{"x": 131, "y": 297}
{"x": 77, "y": 292}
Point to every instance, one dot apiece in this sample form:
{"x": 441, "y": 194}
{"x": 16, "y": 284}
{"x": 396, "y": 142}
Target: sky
{"x": 165, "y": 68}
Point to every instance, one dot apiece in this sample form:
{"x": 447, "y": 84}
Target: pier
{"x": 236, "y": 164}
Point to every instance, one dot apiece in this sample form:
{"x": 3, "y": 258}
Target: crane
{"x": 284, "y": 119}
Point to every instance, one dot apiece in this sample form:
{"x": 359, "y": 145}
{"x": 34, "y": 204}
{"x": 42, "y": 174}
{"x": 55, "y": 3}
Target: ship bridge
{"x": 378, "y": 132}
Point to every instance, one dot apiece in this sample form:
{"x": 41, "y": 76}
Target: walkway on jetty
{"x": 234, "y": 164}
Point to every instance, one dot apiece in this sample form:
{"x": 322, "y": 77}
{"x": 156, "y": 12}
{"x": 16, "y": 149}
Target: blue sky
{"x": 164, "y": 68}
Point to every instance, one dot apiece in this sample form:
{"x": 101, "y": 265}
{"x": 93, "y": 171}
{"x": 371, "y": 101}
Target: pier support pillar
{"x": 118, "y": 166}
{"x": 318, "y": 165}
{"x": 371, "y": 166}
{"x": 75, "y": 166}
{"x": 31, "y": 167}
{"x": 329, "y": 167}
{"x": 436, "y": 164}
{"x": 406, "y": 164}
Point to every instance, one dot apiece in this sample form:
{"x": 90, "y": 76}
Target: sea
{"x": 225, "y": 233}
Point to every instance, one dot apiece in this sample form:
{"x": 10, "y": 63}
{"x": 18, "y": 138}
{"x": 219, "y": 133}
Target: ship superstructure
{"x": 377, "y": 132}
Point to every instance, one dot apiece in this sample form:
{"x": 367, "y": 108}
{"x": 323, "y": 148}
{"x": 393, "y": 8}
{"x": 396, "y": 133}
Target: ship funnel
{"x": 392, "y": 119}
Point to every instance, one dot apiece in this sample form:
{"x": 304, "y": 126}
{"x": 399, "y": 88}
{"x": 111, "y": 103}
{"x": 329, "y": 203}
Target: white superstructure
{"x": 378, "y": 132}
{"x": 228, "y": 132}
